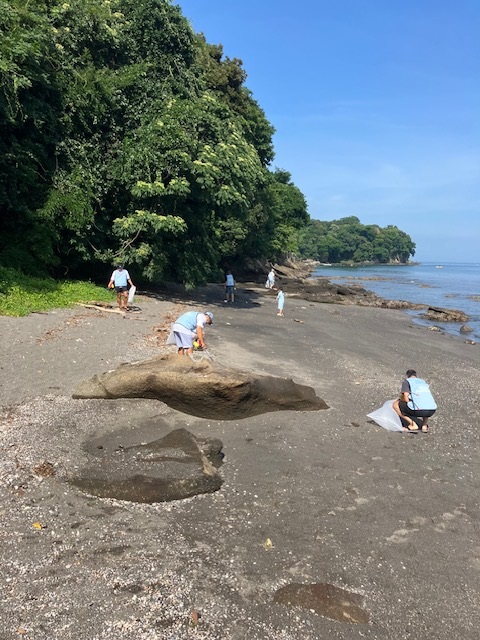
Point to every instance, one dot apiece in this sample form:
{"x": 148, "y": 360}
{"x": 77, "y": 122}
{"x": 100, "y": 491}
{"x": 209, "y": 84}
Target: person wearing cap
{"x": 188, "y": 327}
{"x": 120, "y": 280}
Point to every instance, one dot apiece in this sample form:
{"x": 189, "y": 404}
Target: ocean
{"x": 452, "y": 285}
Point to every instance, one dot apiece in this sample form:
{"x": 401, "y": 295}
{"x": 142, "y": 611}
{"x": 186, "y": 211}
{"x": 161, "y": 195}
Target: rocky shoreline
{"x": 296, "y": 276}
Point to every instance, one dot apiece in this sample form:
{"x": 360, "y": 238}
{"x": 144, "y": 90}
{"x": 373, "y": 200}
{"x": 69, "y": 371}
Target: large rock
{"x": 175, "y": 467}
{"x": 438, "y": 314}
{"x": 203, "y": 389}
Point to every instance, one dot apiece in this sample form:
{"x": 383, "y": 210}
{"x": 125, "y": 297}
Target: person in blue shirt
{"x": 229, "y": 287}
{"x": 188, "y": 327}
{"x": 120, "y": 280}
{"x": 416, "y": 400}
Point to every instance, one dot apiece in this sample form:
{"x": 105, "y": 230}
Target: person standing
{"x": 271, "y": 279}
{"x": 280, "y": 301}
{"x": 188, "y": 327}
{"x": 229, "y": 287}
{"x": 416, "y": 399}
{"x": 120, "y": 280}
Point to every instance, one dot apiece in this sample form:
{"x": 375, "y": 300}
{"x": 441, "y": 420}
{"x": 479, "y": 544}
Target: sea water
{"x": 449, "y": 285}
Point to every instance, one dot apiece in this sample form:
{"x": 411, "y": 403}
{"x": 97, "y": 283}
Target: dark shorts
{"x": 415, "y": 413}
{"x": 229, "y": 289}
{"x": 121, "y": 289}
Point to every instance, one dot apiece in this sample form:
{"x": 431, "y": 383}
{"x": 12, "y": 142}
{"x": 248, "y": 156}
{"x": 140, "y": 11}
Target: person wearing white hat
{"x": 188, "y": 327}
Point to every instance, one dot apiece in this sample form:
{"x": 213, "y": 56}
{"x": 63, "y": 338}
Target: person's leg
{"x": 178, "y": 340}
{"x": 184, "y": 341}
{"x": 405, "y": 413}
{"x": 119, "y": 299}
{"x": 425, "y": 414}
{"x": 125, "y": 300}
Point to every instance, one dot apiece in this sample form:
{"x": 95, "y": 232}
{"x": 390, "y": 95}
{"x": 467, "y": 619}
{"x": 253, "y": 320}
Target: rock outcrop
{"x": 175, "y": 467}
{"x": 438, "y": 314}
{"x": 205, "y": 389}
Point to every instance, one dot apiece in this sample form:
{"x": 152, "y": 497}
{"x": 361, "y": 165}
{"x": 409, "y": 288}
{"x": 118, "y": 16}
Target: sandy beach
{"x": 317, "y": 497}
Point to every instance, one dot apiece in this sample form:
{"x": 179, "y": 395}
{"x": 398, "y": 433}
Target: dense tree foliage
{"x": 349, "y": 240}
{"x": 126, "y": 136}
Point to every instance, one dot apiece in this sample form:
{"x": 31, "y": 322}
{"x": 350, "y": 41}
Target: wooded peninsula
{"x": 127, "y": 137}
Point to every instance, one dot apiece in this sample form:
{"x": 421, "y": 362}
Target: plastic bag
{"x": 386, "y": 417}
{"x": 131, "y": 294}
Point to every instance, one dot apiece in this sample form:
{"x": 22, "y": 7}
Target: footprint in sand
{"x": 414, "y": 524}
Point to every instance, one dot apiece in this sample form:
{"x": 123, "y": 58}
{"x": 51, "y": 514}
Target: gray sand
{"x": 392, "y": 517}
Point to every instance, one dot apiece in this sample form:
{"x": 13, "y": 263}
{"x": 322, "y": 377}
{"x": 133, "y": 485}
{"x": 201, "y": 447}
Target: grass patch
{"x": 21, "y": 294}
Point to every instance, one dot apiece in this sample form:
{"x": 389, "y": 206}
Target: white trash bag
{"x": 131, "y": 294}
{"x": 386, "y": 417}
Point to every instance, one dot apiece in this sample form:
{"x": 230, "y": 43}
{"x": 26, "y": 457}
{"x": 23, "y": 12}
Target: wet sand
{"x": 309, "y": 497}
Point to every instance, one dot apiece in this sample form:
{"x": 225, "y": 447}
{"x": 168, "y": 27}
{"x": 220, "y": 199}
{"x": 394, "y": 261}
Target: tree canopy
{"x": 126, "y": 136}
{"x": 349, "y": 240}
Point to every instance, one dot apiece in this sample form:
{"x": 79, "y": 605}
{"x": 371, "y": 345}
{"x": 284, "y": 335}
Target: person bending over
{"x": 188, "y": 327}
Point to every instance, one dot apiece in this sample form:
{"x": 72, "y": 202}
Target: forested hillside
{"x": 125, "y": 136}
{"x": 349, "y": 240}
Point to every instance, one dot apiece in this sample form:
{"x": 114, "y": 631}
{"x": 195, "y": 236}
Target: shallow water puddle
{"x": 326, "y": 600}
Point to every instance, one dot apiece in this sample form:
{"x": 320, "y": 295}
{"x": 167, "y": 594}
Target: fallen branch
{"x": 95, "y": 306}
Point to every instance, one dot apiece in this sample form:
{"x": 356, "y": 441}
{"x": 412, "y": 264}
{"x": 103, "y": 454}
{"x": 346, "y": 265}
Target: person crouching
{"x": 188, "y": 327}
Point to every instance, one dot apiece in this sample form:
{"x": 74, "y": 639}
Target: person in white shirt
{"x": 271, "y": 279}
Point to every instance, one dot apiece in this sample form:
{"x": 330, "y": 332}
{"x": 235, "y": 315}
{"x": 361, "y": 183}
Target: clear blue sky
{"x": 376, "y": 106}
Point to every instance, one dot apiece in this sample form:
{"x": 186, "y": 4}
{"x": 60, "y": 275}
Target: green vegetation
{"x": 349, "y": 240}
{"x": 125, "y": 136}
{"x": 20, "y": 294}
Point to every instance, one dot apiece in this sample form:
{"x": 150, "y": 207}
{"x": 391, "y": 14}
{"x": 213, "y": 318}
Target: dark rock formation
{"x": 175, "y": 467}
{"x": 438, "y": 314}
{"x": 203, "y": 389}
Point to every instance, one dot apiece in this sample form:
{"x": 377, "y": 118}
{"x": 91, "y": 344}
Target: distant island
{"x": 348, "y": 241}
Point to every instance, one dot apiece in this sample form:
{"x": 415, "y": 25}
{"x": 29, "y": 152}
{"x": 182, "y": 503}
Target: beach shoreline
{"x": 389, "y": 517}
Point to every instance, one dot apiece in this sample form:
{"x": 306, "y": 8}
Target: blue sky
{"x": 376, "y": 106}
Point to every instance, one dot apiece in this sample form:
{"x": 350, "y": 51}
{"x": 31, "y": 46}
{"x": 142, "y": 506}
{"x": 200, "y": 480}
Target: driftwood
{"x": 99, "y": 308}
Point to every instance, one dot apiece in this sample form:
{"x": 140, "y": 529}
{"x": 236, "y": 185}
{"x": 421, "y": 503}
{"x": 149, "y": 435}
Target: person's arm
{"x": 396, "y": 408}
{"x": 130, "y": 282}
{"x": 111, "y": 284}
{"x": 201, "y": 336}
{"x": 405, "y": 391}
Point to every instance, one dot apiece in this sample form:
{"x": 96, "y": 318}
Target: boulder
{"x": 204, "y": 389}
{"x": 438, "y": 314}
{"x": 175, "y": 467}
{"x": 465, "y": 329}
